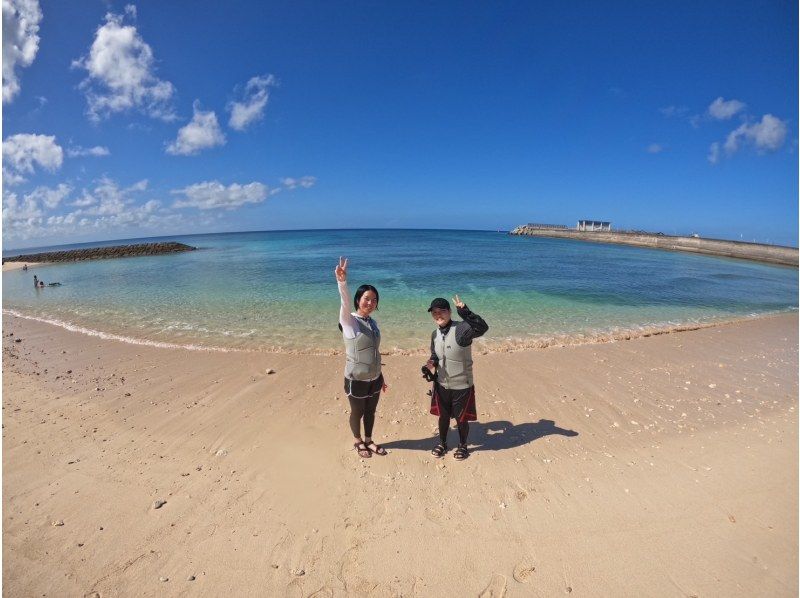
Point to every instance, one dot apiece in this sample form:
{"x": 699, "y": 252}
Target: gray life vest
{"x": 363, "y": 352}
{"x": 455, "y": 362}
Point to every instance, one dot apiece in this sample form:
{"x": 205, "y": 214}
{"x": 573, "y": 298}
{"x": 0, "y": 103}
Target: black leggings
{"x": 363, "y": 397}
{"x": 444, "y": 426}
{"x": 363, "y": 408}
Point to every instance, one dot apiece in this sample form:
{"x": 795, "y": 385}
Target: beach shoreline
{"x": 481, "y": 345}
{"x": 657, "y": 466}
{"x": 11, "y": 266}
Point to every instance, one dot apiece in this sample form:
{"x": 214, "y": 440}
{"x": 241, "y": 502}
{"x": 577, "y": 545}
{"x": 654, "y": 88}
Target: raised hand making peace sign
{"x": 341, "y": 270}
{"x": 459, "y": 303}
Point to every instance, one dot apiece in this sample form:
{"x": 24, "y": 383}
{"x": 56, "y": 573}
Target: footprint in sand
{"x": 523, "y": 572}
{"x": 432, "y": 515}
{"x": 323, "y": 592}
{"x": 496, "y": 588}
{"x": 294, "y": 589}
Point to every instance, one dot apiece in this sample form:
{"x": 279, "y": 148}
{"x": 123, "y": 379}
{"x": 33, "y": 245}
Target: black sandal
{"x": 378, "y": 450}
{"x": 362, "y": 450}
{"x": 462, "y": 452}
{"x": 439, "y": 450}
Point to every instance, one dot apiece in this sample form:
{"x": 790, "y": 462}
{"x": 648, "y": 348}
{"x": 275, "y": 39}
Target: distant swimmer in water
{"x": 24, "y": 267}
{"x": 35, "y": 280}
{"x": 54, "y": 284}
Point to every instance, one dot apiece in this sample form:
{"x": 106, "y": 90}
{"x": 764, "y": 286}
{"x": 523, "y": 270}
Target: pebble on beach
{"x": 58, "y": 523}
{"x": 157, "y": 504}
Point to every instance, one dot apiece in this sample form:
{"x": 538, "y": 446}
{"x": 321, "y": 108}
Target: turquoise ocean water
{"x": 276, "y": 290}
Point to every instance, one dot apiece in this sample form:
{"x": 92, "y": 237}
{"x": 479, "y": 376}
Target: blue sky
{"x": 157, "y": 118}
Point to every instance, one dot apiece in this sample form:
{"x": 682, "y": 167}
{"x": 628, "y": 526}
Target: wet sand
{"x": 657, "y": 466}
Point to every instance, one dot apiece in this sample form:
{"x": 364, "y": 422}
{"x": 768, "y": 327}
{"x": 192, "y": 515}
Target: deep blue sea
{"x": 276, "y": 290}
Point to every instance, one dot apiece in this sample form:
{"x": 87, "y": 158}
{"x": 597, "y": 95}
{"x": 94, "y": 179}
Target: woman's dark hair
{"x": 363, "y": 289}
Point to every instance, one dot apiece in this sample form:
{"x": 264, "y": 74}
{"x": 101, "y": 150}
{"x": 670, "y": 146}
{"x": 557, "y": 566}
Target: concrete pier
{"x": 772, "y": 254}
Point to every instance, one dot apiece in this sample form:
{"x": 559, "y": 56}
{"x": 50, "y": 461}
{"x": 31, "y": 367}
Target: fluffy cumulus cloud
{"x": 22, "y": 214}
{"x": 201, "y": 133}
{"x": 251, "y": 108}
{"x": 50, "y": 197}
{"x": 96, "y": 151}
{"x": 44, "y": 213}
{"x": 210, "y": 195}
{"x": 721, "y": 109}
{"x": 121, "y": 73}
{"x": 107, "y": 198}
{"x": 20, "y": 41}
{"x": 766, "y": 135}
{"x": 24, "y": 152}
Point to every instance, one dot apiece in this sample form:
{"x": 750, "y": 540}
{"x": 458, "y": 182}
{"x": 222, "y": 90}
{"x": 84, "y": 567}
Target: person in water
{"x": 453, "y": 395}
{"x": 363, "y": 381}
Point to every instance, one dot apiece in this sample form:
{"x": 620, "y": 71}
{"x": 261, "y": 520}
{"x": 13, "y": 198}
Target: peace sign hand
{"x": 341, "y": 270}
{"x": 459, "y": 303}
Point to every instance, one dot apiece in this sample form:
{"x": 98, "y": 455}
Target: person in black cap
{"x": 453, "y": 393}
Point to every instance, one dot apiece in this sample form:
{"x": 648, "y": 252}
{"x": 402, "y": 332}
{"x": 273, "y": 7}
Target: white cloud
{"x": 23, "y": 215}
{"x": 107, "y": 198}
{"x": 672, "y": 110}
{"x": 210, "y": 195}
{"x": 121, "y": 73}
{"x": 23, "y": 152}
{"x": 105, "y": 207}
{"x": 714, "y": 152}
{"x": 655, "y": 148}
{"x": 20, "y": 41}
{"x": 768, "y": 134}
{"x": 201, "y": 133}
{"x": 16, "y": 211}
{"x": 305, "y": 182}
{"x": 723, "y": 110}
{"x": 50, "y": 197}
{"x": 96, "y": 151}
{"x": 251, "y": 109}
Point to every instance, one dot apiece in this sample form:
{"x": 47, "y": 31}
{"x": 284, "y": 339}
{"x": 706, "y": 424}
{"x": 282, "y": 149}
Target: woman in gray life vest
{"x": 363, "y": 380}
{"x": 453, "y": 393}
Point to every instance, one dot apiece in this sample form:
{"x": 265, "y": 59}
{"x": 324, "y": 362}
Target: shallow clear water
{"x": 276, "y": 290}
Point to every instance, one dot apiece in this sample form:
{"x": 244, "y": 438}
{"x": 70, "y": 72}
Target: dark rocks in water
{"x": 99, "y": 253}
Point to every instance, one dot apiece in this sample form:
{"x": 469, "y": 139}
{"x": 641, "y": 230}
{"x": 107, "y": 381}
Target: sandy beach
{"x": 11, "y": 266}
{"x": 660, "y": 466}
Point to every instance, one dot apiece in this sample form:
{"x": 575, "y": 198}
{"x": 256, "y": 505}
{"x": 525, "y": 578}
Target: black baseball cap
{"x": 440, "y": 303}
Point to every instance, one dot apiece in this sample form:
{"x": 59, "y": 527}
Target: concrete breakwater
{"x": 99, "y": 253}
{"x": 773, "y": 254}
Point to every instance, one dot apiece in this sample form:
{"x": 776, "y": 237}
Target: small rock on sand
{"x": 190, "y": 578}
{"x": 157, "y": 504}
{"x": 270, "y": 371}
{"x": 163, "y": 579}
{"x": 58, "y": 523}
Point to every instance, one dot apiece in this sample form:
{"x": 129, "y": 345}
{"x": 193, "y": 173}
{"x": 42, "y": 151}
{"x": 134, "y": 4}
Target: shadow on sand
{"x": 489, "y": 436}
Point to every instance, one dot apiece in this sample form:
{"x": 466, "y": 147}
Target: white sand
{"x": 662, "y": 466}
